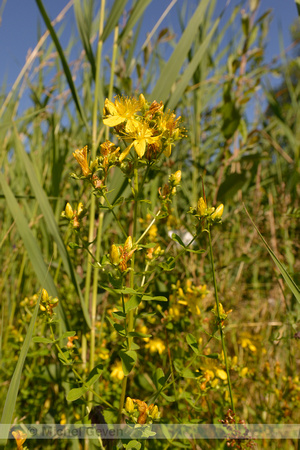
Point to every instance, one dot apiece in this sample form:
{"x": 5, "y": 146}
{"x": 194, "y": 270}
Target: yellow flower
{"x": 217, "y": 214}
{"x": 81, "y": 157}
{"x": 141, "y": 135}
{"x": 201, "y": 207}
{"x": 122, "y": 110}
{"x": 156, "y": 345}
{"x": 117, "y": 371}
{"x": 221, "y": 374}
{"x": 20, "y": 438}
{"x": 129, "y": 405}
{"x": 63, "y": 419}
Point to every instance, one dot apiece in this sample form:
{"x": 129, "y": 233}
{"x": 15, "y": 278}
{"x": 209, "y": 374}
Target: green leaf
{"x": 188, "y": 373}
{"x": 75, "y": 394}
{"x": 94, "y": 375}
{"x": 32, "y": 247}
{"x": 288, "y": 279}
{"x": 119, "y": 315}
{"x": 67, "y": 334}
{"x": 11, "y": 397}
{"x": 50, "y": 222}
{"x": 116, "y": 11}
{"x": 191, "y": 68}
{"x": 172, "y": 68}
{"x": 129, "y": 358}
{"x": 137, "y": 334}
{"x": 159, "y": 378}
{"x": 192, "y": 342}
{"x": 133, "y": 303}
{"x": 158, "y": 298}
{"x": 64, "y": 62}
{"x": 42, "y": 340}
{"x": 168, "y": 265}
{"x": 178, "y": 239}
{"x": 135, "y": 445}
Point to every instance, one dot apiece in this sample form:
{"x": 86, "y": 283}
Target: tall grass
{"x": 212, "y": 82}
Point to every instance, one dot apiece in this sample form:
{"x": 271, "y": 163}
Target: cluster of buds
{"x": 169, "y": 189}
{"x": 203, "y": 212}
{"x": 48, "y": 303}
{"x": 74, "y": 216}
{"x": 120, "y": 255}
{"x": 139, "y": 412}
{"x": 70, "y": 343}
{"x": 153, "y": 253}
{"x": 108, "y": 156}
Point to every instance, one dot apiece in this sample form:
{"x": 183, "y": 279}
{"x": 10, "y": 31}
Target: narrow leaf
{"x": 288, "y": 279}
{"x": 75, "y": 394}
{"x": 63, "y": 61}
{"x": 11, "y": 398}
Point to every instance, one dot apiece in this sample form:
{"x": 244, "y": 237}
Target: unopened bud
{"x": 201, "y": 207}
{"x": 175, "y": 178}
{"x": 129, "y": 405}
{"x": 114, "y": 255}
{"x": 217, "y": 214}
{"x": 45, "y": 295}
{"x": 128, "y": 244}
{"x": 142, "y": 100}
{"x": 81, "y": 210}
{"x": 69, "y": 211}
{"x": 155, "y": 414}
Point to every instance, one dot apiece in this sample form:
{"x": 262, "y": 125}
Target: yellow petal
{"x": 140, "y": 147}
{"x": 112, "y": 121}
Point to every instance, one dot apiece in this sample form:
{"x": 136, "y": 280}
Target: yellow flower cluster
{"x": 147, "y": 128}
{"x": 189, "y": 296}
{"x": 140, "y": 412}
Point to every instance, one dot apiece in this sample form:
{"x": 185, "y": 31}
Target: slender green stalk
{"x": 132, "y": 312}
{"x": 93, "y": 199}
{"x": 220, "y": 320}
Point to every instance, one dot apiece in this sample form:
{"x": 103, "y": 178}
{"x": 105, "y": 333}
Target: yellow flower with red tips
{"x": 141, "y": 135}
{"x": 121, "y": 111}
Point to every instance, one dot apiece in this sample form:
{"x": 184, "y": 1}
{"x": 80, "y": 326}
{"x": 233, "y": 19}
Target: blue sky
{"x": 18, "y": 29}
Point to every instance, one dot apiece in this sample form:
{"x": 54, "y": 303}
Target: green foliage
{"x": 151, "y": 320}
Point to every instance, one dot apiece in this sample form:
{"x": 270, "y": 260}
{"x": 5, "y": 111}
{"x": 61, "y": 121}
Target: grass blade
{"x": 84, "y": 16}
{"x": 50, "y": 222}
{"x": 63, "y": 61}
{"x": 11, "y": 398}
{"x": 288, "y": 279}
{"x": 189, "y": 71}
{"x": 115, "y": 13}
{"x": 32, "y": 247}
{"x": 172, "y": 68}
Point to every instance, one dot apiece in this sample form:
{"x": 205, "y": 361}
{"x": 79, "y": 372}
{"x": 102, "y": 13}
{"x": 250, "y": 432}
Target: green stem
{"x": 220, "y": 320}
{"x": 132, "y": 312}
{"x": 75, "y": 371}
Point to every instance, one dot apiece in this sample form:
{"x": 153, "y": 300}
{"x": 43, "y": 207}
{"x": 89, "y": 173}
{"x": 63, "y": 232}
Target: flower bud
{"x": 129, "y": 406}
{"x": 81, "y": 210}
{"x": 201, "y": 207}
{"x": 155, "y": 414}
{"x": 142, "y": 100}
{"x": 217, "y": 214}
{"x": 128, "y": 244}
{"x": 114, "y": 255}
{"x": 45, "y": 296}
{"x": 175, "y": 178}
{"x": 68, "y": 211}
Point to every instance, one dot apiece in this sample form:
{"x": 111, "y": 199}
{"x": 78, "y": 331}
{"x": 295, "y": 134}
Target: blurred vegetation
{"x": 242, "y": 139}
